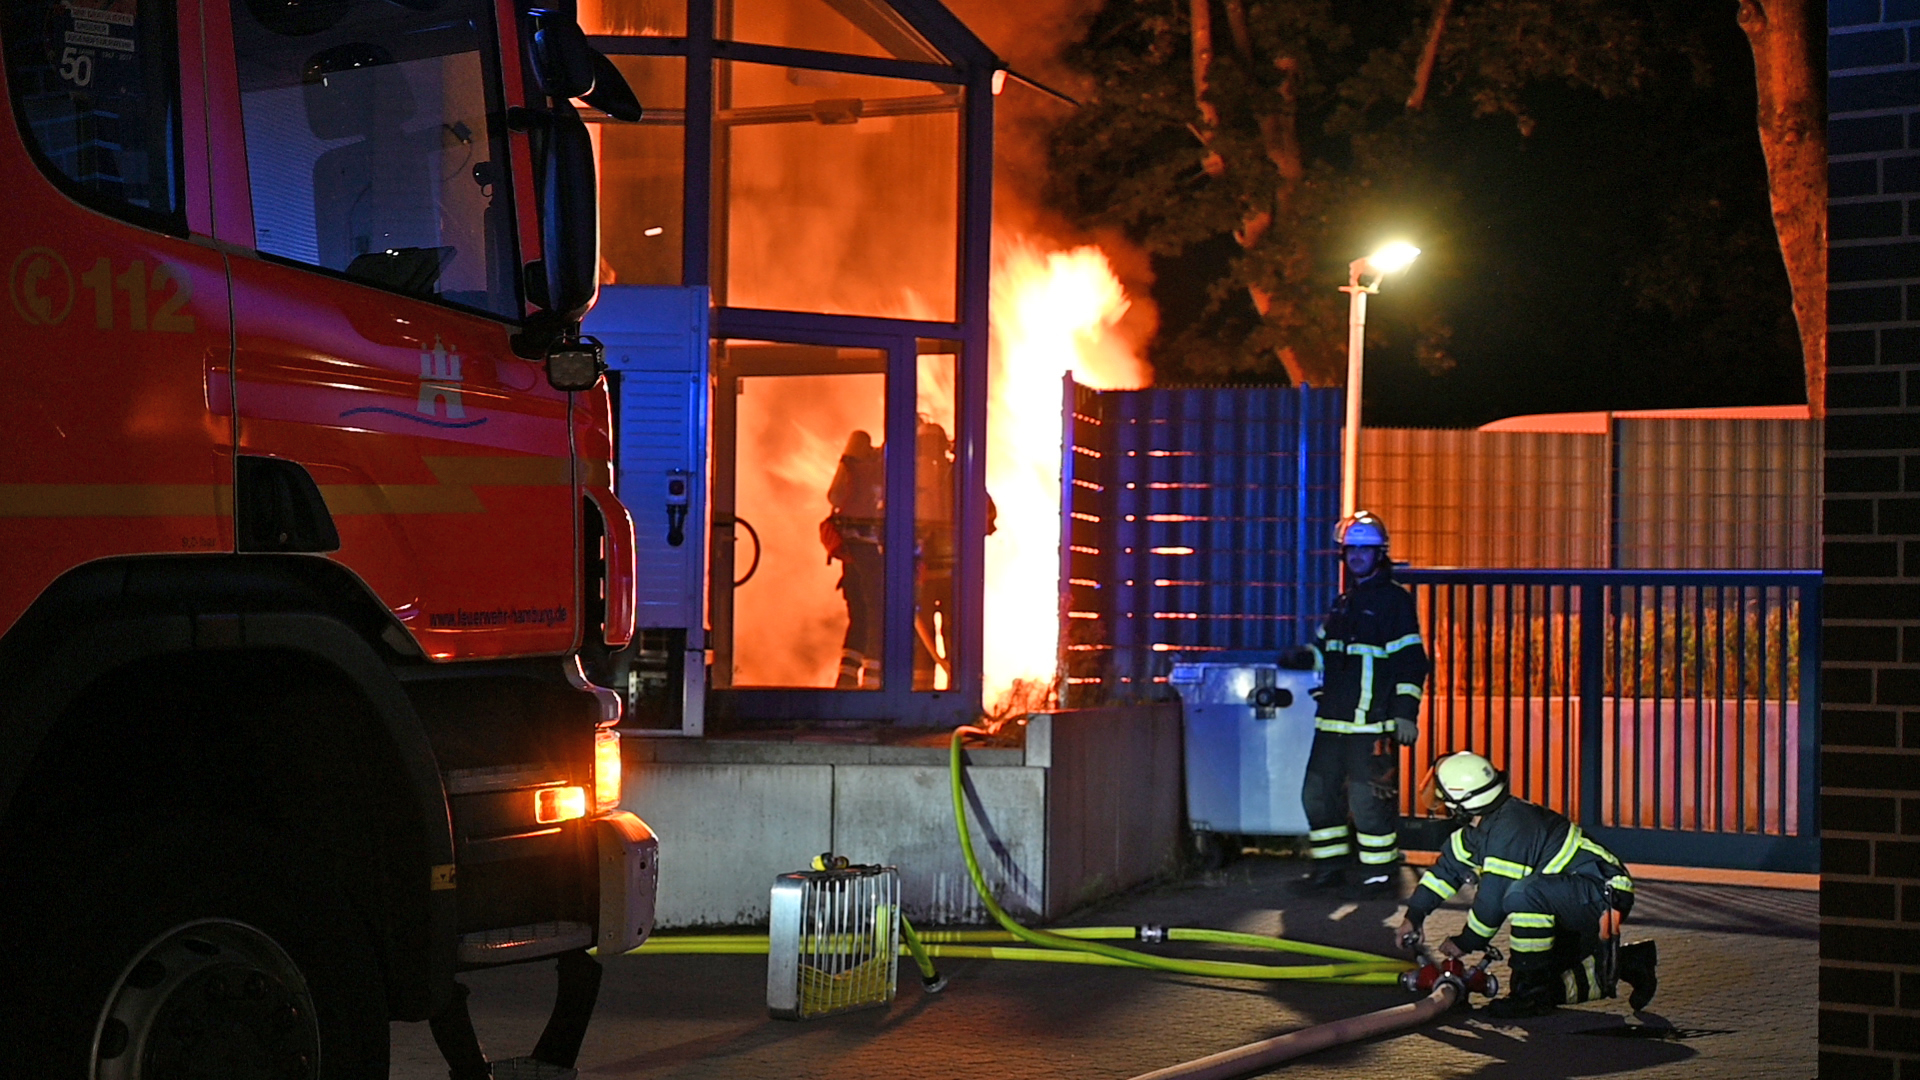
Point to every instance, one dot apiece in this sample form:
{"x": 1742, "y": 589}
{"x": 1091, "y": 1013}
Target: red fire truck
{"x": 309, "y": 551}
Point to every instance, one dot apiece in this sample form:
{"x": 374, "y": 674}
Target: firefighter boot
{"x": 1378, "y": 883}
{"x": 1637, "y": 963}
{"x": 1532, "y": 995}
{"x": 1326, "y": 878}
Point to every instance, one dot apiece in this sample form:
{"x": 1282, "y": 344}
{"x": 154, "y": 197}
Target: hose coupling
{"x": 1152, "y": 935}
{"x": 1476, "y": 979}
{"x": 933, "y": 983}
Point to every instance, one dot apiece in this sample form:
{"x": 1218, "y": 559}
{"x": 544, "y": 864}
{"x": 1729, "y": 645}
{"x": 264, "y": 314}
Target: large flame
{"x": 1053, "y": 313}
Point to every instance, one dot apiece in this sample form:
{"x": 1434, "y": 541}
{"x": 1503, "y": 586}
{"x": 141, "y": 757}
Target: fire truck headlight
{"x": 606, "y": 770}
{"x": 556, "y": 804}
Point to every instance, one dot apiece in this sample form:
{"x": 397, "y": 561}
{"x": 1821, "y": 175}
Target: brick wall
{"x": 1870, "y": 805}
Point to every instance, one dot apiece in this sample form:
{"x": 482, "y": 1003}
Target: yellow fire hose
{"x": 1073, "y": 945}
{"x": 1354, "y": 963}
{"x": 973, "y": 945}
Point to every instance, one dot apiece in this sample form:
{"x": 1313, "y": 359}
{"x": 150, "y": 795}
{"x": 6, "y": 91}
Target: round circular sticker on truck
{"x": 42, "y": 287}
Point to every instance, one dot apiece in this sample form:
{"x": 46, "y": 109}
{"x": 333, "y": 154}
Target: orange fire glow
{"x": 1053, "y": 312}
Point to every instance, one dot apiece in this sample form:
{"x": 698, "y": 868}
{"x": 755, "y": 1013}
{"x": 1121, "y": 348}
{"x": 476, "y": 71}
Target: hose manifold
{"x": 1455, "y": 972}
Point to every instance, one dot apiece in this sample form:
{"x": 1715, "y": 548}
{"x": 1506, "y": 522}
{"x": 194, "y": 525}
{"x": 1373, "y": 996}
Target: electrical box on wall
{"x": 657, "y": 355}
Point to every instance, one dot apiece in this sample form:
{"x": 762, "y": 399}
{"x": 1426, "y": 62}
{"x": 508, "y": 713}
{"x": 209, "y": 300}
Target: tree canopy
{"x": 1583, "y": 177}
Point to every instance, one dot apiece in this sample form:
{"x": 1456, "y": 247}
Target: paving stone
{"x": 1738, "y": 974}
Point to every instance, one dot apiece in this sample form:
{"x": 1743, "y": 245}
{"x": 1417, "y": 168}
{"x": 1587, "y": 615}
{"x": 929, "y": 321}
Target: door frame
{"x": 896, "y": 702}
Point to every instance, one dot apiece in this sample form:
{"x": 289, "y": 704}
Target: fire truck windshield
{"x": 374, "y": 147}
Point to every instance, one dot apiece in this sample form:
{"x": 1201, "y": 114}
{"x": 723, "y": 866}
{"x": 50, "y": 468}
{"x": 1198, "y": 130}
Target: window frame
{"x": 171, "y": 222}
{"x": 493, "y": 76}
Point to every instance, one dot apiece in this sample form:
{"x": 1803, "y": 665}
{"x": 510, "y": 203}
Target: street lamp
{"x": 1393, "y": 258}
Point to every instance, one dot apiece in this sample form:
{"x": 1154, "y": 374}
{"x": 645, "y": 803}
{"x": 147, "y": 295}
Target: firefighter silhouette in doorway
{"x": 934, "y": 541}
{"x": 933, "y": 555}
{"x": 852, "y": 534}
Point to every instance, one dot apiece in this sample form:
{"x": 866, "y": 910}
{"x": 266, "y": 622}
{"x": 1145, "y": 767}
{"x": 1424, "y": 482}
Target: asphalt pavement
{"x": 1737, "y": 999}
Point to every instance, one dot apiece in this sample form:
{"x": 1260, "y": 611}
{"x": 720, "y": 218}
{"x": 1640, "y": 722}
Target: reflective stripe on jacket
{"x": 1372, "y": 661}
{"x": 1516, "y": 840}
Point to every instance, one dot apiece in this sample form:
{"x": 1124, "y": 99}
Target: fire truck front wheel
{"x": 191, "y": 947}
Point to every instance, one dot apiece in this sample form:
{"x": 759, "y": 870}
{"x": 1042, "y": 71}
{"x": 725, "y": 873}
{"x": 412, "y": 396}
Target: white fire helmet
{"x": 1468, "y": 783}
{"x": 1361, "y": 529}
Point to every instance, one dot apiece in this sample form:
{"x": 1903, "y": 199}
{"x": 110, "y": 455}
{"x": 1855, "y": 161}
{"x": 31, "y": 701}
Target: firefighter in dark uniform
{"x": 1373, "y": 667}
{"x": 852, "y": 534}
{"x": 1565, "y": 895}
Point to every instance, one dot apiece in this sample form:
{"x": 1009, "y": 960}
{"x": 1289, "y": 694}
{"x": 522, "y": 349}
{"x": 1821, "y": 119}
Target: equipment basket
{"x": 833, "y": 940}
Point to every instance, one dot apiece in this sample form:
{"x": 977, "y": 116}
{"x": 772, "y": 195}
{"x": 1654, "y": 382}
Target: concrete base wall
{"x": 1092, "y": 804}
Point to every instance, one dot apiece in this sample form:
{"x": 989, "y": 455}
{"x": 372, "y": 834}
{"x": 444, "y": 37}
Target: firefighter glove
{"x": 1298, "y": 658}
{"x": 1405, "y": 732}
{"x": 1410, "y": 935}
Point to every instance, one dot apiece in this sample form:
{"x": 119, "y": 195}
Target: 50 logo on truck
{"x": 43, "y": 292}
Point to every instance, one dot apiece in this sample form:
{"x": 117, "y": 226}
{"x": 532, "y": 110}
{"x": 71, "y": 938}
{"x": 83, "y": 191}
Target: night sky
{"x": 1619, "y": 257}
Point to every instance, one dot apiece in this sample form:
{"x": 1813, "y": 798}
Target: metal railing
{"x": 1674, "y": 714}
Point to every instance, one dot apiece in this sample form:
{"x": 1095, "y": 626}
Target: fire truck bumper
{"x": 629, "y": 881}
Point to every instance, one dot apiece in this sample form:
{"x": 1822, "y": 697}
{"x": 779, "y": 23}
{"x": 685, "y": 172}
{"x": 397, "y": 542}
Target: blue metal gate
{"x": 1195, "y": 520}
{"x": 1674, "y": 714}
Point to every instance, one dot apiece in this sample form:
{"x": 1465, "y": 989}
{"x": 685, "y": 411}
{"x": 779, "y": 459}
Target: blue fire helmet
{"x": 1360, "y": 529}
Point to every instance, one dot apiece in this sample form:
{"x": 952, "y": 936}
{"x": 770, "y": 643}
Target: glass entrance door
{"x": 834, "y": 541}
{"x": 800, "y": 517}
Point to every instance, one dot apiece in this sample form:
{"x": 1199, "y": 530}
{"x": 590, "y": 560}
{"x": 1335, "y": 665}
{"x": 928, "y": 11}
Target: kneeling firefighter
{"x": 1373, "y": 666}
{"x": 1565, "y": 895}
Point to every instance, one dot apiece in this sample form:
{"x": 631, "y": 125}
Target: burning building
{"x": 799, "y": 273}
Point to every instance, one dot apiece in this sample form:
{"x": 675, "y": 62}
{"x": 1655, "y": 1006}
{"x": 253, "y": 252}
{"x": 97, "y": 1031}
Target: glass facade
{"x": 837, "y": 193}
{"x": 643, "y": 177}
{"x": 819, "y": 167}
{"x": 853, "y": 27}
{"x": 936, "y": 495}
{"x": 634, "y": 18}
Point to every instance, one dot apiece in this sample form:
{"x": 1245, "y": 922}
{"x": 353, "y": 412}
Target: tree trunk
{"x": 1278, "y": 134}
{"x": 1242, "y": 36}
{"x": 1280, "y": 137}
{"x": 1423, "y": 74}
{"x": 1793, "y": 137}
{"x": 1202, "y": 15}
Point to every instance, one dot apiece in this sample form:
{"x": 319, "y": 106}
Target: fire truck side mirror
{"x": 576, "y": 365}
{"x": 562, "y": 60}
{"x": 569, "y": 216}
{"x": 611, "y": 93}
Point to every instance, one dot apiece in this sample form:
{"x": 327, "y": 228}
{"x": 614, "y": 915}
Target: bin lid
{"x": 1218, "y": 683}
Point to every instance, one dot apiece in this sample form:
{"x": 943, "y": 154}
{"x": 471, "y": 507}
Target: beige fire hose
{"x": 1254, "y": 1056}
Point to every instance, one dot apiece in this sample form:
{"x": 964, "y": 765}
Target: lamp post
{"x": 1394, "y": 257}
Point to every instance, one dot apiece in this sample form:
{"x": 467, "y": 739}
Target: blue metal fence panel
{"x": 1086, "y": 513}
{"x": 1214, "y": 531}
{"x": 1674, "y": 714}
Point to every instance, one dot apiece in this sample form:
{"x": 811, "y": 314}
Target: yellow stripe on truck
{"x": 454, "y": 494}
{"x": 114, "y": 500}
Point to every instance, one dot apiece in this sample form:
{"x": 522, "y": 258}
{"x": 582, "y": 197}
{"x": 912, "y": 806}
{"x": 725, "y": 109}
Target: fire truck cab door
{"x": 114, "y": 432}
{"x": 372, "y": 332}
